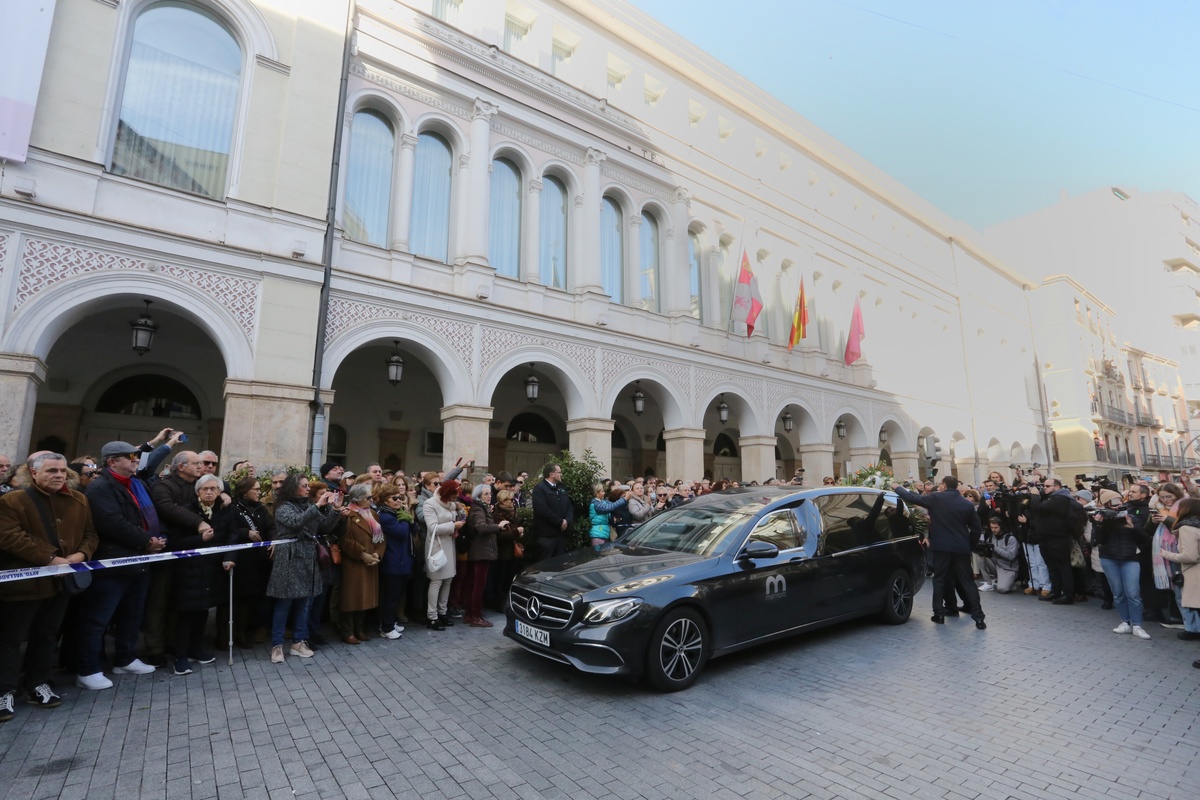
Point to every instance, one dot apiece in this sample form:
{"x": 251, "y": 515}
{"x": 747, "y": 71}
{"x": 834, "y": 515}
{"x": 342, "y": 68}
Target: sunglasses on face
{"x": 396, "y": 497}
{"x": 209, "y": 463}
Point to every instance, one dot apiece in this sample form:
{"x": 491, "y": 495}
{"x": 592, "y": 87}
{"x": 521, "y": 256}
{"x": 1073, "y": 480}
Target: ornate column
{"x": 465, "y": 433}
{"x": 268, "y": 423}
{"x": 531, "y": 247}
{"x": 478, "y": 183}
{"x": 678, "y": 299}
{"x": 460, "y": 226}
{"x": 592, "y": 434}
{"x": 20, "y": 377}
{"x": 906, "y": 465}
{"x": 685, "y": 453}
{"x": 818, "y": 462}
{"x": 633, "y": 262}
{"x": 710, "y": 289}
{"x": 402, "y": 208}
{"x": 758, "y": 458}
{"x": 587, "y": 276}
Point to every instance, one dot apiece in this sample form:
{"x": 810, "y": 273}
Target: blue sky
{"x": 986, "y": 109}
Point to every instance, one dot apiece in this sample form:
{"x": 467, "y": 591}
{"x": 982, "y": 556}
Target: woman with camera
{"x": 1185, "y": 576}
{"x": 1115, "y": 533}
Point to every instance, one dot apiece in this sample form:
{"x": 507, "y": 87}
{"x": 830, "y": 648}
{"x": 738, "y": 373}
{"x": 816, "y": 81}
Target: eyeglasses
{"x": 87, "y": 473}
{"x": 209, "y": 463}
{"x": 396, "y": 497}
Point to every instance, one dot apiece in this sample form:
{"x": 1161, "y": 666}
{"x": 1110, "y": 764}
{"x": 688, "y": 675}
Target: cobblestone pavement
{"x": 1047, "y": 703}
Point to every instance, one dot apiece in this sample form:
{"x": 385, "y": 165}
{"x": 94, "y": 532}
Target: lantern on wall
{"x": 639, "y": 400}
{"x": 395, "y": 364}
{"x": 531, "y": 385}
{"x": 144, "y": 328}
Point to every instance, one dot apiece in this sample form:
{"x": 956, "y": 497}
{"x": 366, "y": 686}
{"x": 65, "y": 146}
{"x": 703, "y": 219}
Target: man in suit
{"x": 552, "y": 512}
{"x": 953, "y": 528}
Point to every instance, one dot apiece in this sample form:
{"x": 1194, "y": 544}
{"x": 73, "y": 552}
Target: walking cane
{"x": 231, "y": 569}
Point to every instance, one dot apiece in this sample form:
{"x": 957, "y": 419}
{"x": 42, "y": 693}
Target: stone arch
{"x": 437, "y": 354}
{"x": 210, "y": 405}
{"x": 1037, "y": 455}
{"x": 960, "y": 447}
{"x": 35, "y": 326}
{"x": 856, "y": 429}
{"x": 562, "y": 170}
{"x": 749, "y": 417}
{"x": 995, "y": 452}
{"x": 900, "y": 438}
{"x": 567, "y": 377}
{"x": 1017, "y": 453}
{"x": 619, "y": 193}
{"x": 370, "y": 98}
{"x": 444, "y": 126}
{"x": 807, "y": 428}
{"x": 655, "y": 384}
{"x": 515, "y": 154}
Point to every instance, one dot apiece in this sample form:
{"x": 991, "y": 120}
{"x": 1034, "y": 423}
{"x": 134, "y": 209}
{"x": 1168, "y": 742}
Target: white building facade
{"x": 545, "y": 195}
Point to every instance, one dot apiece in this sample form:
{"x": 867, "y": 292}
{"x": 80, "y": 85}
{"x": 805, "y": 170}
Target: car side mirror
{"x": 758, "y": 550}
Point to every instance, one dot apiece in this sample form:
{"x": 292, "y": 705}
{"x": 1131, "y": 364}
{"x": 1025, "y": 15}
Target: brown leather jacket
{"x": 24, "y": 541}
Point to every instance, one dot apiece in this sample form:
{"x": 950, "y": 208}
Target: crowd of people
{"x": 367, "y": 554}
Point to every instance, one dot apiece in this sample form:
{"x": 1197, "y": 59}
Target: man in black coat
{"x": 553, "y": 513}
{"x": 127, "y": 525}
{"x": 1052, "y": 517}
{"x": 953, "y": 529}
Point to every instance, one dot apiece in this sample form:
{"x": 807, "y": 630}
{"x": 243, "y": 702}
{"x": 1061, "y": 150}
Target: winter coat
{"x": 253, "y": 566}
{"x": 439, "y": 532}
{"x": 505, "y": 539}
{"x": 175, "y": 501}
{"x": 1188, "y": 557}
{"x": 483, "y": 533}
{"x": 118, "y": 520}
{"x": 600, "y": 517}
{"x": 360, "y": 583}
{"x": 1050, "y": 517}
{"x": 24, "y": 541}
{"x": 953, "y": 523}
{"x": 640, "y": 510}
{"x": 200, "y": 583}
{"x": 1006, "y": 551}
{"x": 551, "y": 507}
{"x": 294, "y": 569}
{"x": 1117, "y": 541}
{"x": 398, "y": 556}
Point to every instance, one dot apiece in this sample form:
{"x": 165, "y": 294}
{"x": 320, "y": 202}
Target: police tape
{"x": 27, "y": 573}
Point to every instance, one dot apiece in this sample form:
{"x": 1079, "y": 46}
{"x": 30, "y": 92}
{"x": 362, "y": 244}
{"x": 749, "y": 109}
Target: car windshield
{"x": 697, "y": 529}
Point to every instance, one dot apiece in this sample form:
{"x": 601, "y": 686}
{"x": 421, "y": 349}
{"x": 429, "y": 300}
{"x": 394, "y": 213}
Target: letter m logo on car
{"x": 776, "y": 586}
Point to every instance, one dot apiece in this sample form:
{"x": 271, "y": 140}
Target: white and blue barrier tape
{"x": 9, "y": 575}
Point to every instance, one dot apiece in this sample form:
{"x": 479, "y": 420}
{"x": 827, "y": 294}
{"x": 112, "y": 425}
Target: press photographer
{"x": 998, "y": 558}
{"x": 1118, "y": 535}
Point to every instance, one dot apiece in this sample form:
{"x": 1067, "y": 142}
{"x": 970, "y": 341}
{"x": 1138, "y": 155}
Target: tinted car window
{"x": 699, "y": 530}
{"x": 778, "y": 528}
{"x": 851, "y": 520}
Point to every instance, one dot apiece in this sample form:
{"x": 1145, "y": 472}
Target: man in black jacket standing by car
{"x": 953, "y": 528}
{"x": 552, "y": 512}
{"x": 1053, "y": 515}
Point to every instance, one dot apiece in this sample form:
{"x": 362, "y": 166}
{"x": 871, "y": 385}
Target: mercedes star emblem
{"x": 535, "y": 608}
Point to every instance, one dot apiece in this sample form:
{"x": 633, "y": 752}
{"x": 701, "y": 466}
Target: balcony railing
{"x": 1116, "y": 415}
{"x": 1143, "y": 418}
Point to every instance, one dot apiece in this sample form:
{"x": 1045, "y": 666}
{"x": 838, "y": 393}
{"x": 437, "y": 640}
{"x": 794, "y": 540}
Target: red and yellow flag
{"x": 799, "y": 318}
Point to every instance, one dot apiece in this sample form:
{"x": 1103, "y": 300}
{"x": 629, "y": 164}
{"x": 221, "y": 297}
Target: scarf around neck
{"x": 372, "y": 523}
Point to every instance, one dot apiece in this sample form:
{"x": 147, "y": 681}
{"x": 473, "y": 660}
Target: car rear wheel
{"x": 898, "y": 601}
{"x": 678, "y": 651}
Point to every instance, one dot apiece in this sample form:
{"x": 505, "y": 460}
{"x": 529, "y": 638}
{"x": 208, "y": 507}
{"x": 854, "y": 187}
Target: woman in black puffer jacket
{"x": 1119, "y": 538}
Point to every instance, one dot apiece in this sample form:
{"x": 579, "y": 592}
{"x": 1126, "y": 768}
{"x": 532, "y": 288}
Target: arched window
{"x": 149, "y": 396}
{"x": 647, "y": 289}
{"x": 530, "y": 427}
{"x": 553, "y": 267}
{"x": 612, "y": 250}
{"x": 694, "y": 252}
{"x": 179, "y": 101}
{"x": 724, "y": 446}
{"x": 369, "y": 179}
{"x": 430, "y": 235}
{"x": 617, "y": 440}
{"x": 504, "y": 227}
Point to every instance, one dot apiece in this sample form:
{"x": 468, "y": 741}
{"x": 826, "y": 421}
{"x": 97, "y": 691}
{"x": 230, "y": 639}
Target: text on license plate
{"x": 533, "y": 634}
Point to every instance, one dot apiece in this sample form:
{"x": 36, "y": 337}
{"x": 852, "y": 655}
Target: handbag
{"x": 435, "y": 559}
{"x": 335, "y": 554}
{"x": 324, "y": 561}
{"x": 1077, "y": 561}
{"x": 518, "y": 550}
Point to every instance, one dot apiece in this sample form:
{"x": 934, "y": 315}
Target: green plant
{"x": 579, "y": 477}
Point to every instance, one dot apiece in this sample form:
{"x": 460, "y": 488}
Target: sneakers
{"x": 95, "y": 682}
{"x": 6, "y": 706}
{"x": 986, "y": 586}
{"x": 1139, "y": 633}
{"x": 1030, "y": 590}
{"x": 393, "y": 634}
{"x": 43, "y": 696}
{"x": 1124, "y": 627}
{"x": 398, "y": 628}
{"x": 183, "y": 666}
{"x": 277, "y": 654}
{"x": 203, "y": 658}
{"x": 1045, "y": 593}
{"x": 302, "y": 649}
{"x": 135, "y": 667}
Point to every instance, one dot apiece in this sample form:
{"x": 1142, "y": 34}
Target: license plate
{"x": 533, "y": 634}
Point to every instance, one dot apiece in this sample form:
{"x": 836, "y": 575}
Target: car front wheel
{"x": 898, "y": 601}
{"x": 678, "y": 650}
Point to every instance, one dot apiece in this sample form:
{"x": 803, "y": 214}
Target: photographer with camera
{"x": 1118, "y": 535}
{"x": 1055, "y": 515}
{"x": 1035, "y": 566}
{"x": 998, "y": 557}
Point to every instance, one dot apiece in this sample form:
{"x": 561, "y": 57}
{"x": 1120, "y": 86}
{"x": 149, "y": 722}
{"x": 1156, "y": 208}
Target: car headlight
{"x": 604, "y": 611}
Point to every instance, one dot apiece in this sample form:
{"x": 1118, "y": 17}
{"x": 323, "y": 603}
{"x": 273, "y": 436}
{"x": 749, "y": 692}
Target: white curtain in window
{"x": 369, "y": 179}
{"x": 694, "y": 252}
{"x": 648, "y": 266}
{"x": 553, "y": 225}
{"x": 612, "y": 250}
{"x": 504, "y": 228}
{"x": 430, "y": 236}
{"x": 179, "y": 102}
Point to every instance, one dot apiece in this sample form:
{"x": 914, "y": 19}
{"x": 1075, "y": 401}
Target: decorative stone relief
{"x": 44, "y": 264}
{"x": 706, "y": 378}
{"x": 385, "y": 80}
{"x": 537, "y": 142}
{"x": 773, "y": 394}
{"x": 3, "y": 251}
{"x": 345, "y": 314}
{"x": 626, "y": 180}
{"x": 498, "y": 341}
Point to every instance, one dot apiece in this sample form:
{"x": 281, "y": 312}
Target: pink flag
{"x": 857, "y": 334}
{"x": 747, "y": 302}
